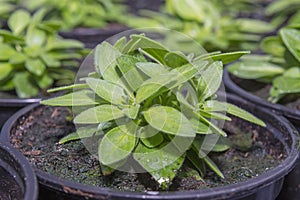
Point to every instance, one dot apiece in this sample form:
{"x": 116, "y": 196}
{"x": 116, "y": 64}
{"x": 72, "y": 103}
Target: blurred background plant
{"x": 80, "y": 13}
{"x": 32, "y": 55}
{"x": 280, "y": 66}
{"x": 215, "y": 24}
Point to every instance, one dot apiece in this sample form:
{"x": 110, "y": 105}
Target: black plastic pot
{"x": 93, "y": 36}
{"x": 136, "y": 5}
{"x": 17, "y": 179}
{"x": 291, "y": 188}
{"x": 11, "y": 105}
{"x": 265, "y": 187}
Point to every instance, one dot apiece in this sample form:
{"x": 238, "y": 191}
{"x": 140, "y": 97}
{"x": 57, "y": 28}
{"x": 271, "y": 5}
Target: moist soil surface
{"x": 262, "y": 90}
{"x": 9, "y": 188}
{"x": 37, "y": 134}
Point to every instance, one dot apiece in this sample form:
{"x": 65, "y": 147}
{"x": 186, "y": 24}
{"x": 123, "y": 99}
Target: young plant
{"x": 280, "y": 67}
{"x": 154, "y": 105}
{"x": 32, "y": 55}
{"x": 207, "y": 23}
{"x": 80, "y": 13}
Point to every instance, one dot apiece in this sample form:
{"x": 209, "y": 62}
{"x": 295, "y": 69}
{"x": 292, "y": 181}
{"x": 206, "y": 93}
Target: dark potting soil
{"x": 9, "y": 188}
{"x": 262, "y": 90}
{"x": 37, "y": 134}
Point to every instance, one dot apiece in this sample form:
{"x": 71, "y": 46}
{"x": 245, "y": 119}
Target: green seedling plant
{"x": 207, "y": 23}
{"x": 280, "y": 67}
{"x": 154, "y": 105}
{"x": 33, "y": 57}
{"x": 80, "y": 13}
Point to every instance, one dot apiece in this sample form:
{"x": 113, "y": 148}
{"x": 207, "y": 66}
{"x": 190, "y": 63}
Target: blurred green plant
{"x": 156, "y": 104}
{"x": 281, "y": 11}
{"x": 32, "y": 55}
{"x": 207, "y": 23}
{"x": 80, "y": 13}
{"x": 280, "y": 67}
{"x": 6, "y": 8}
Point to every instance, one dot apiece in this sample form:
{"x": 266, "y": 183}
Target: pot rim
{"x": 29, "y": 179}
{"x": 242, "y": 188}
{"x": 18, "y": 102}
{"x": 280, "y": 109}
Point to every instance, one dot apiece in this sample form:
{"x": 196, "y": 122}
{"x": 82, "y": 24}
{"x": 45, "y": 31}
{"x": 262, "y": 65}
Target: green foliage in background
{"x": 157, "y": 105}
{"x": 80, "y": 13}
{"x": 280, "y": 66}
{"x": 208, "y": 23}
{"x": 32, "y": 55}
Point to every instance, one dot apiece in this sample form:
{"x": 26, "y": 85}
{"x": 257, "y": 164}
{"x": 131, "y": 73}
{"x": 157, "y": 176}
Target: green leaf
{"x": 212, "y": 142}
{"x": 7, "y": 85}
{"x": 50, "y": 61}
{"x": 228, "y": 57}
{"x": 44, "y": 81}
{"x": 99, "y": 114}
{"x": 149, "y": 139}
{"x": 286, "y": 85}
{"x": 82, "y": 132}
{"x": 18, "y": 21}
{"x": 64, "y": 44}
{"x": 116, "y": 145}
{"x": 169, "y": 120}
{"x": 211, "y": 125}
{"x": 151, "y": 69}
{"x": 161, "y": 163}
{"x": 69, "y": 87}
{"x": 152, "y": 47}
{"x": 291, "y": 38}
{"x": 24, "y": 86}
{"x": 191, "y": 10}
{"x": 77, "y": 98}
{"x": 168, "y": 80}
{"x": 120, "y": 44}
{"x": 6, "y": 51}
{"x": 202, "y": 155}
{"x": 211, "y": 164}
{"x": 131, "y": 111}
{"x": 210, "y": 80}
{"x": 293, "y": 72}
{"x": 236, "y": 111}
{"x": 200, "y": 127}
{"x": 5, "y": 70}
{"x": 126, "y": 65}
{"x": 254, "y": 26}
{"x": 198, "y": 163}
{"x": 35, "y": 38}
{"x": 254, "y": 69}
{"x": 17, "y": 58}
{"x": 108, "y": 91}
{"x": 213, "y": 105}
{"x": 105, "y": 61}
{"x": 8, "y": 37}
{"x": 175, "y": 59}
{"x": 35, "y": 66}
{"x": 273, "y": 45}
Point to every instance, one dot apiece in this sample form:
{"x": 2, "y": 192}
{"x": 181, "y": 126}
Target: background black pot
{"x": 291, "y": 188}
{"x": 264, "y": 187}
{"x": 136, "y": 5}
{"x": 17, "y": 179}
{"x": 8, "y": 106}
